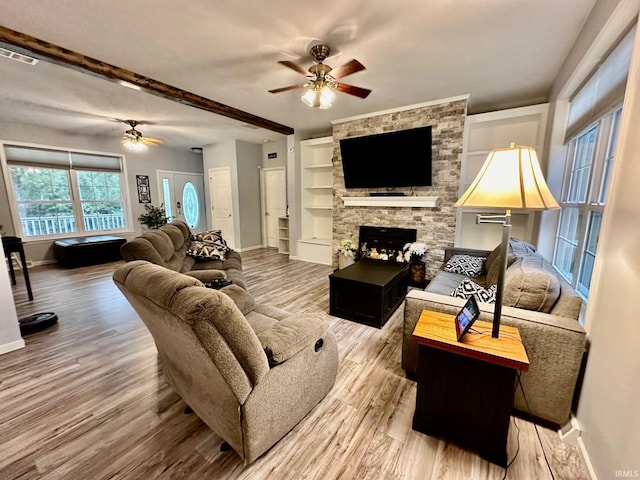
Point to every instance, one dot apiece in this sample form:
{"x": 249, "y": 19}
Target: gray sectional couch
{"x": 167, "y": 247}
{"x": 542, "y": 305}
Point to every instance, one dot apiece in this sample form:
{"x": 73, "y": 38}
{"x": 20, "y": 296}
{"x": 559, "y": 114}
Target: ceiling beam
{"x": 49, "y": 52}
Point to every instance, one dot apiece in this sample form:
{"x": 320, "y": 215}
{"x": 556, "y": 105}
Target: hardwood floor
{"x": 86, "y": 399}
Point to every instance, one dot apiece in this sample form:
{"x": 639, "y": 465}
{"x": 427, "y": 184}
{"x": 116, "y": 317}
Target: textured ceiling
{"x": 503, "y": 53}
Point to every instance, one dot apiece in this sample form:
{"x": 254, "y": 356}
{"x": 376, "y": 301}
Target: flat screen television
{"x": 393, "y": 159}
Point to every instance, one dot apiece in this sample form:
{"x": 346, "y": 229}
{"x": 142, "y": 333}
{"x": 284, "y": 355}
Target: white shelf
{"x": 319, "y": 207}
{"x": 424, "y": 202}
{"x": 316, "y": 219}
{"x": 317, "y": 241}
{"x": 321, "y": 165}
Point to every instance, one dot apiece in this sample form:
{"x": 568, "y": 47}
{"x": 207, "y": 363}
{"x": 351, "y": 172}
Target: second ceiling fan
{"x": 322, "y": 80}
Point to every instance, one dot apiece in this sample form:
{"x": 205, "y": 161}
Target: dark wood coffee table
{"x": 369, "y": 291}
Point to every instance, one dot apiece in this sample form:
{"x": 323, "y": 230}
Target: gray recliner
{"x": 250, "y": 372}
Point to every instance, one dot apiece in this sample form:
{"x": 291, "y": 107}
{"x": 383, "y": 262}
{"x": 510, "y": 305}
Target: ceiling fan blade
{"x": 284, "y": 89}
{"x": 152, "y": 141}
{"x": 347, "y": 69}
{"x": 352, "y": 90}
{"x": 293, "y": 66}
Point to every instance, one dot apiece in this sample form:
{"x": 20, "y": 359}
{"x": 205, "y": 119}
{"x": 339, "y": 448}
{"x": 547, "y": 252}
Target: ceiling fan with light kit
{"x": 133, "y": 139}
{"x": 322, "y": 80}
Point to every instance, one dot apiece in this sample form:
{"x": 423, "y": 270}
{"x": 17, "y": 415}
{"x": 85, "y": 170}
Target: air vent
{"x": 17, "y": 56}
{"x": 247, "y": 125}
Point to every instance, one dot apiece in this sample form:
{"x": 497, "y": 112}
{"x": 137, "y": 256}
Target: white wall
{"x": 10, "y": 338}
{"x": 243, "y": 159}
{"x": 608, "y": 403}
{"x": 146, "y": 163}
{"x": 249, "y": 159}
{"x": 608, "y": 409}
{"x": 279, "y": 148}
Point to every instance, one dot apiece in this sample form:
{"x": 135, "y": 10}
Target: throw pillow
{"x": 211, "y": 236}
{"x": 466, "y": 265}
{"x": 467, "y": 288}
{"x": 206, "y": 251}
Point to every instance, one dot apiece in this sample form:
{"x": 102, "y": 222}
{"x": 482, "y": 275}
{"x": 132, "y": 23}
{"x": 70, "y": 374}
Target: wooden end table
{"x": 465, "y": 389}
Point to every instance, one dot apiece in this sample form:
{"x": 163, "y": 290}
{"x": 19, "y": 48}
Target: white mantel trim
{"x": 412, "y": 201}
{"x": 402, "y": 109}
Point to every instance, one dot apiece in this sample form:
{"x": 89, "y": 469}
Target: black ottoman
{"x": 77, "y": 252}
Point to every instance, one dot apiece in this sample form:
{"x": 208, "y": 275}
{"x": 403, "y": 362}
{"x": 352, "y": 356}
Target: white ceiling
{"x": 504, "y": 53}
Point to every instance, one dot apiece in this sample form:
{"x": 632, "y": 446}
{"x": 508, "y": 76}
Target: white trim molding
{"x": 11, "y": 346}
{"x": 402, "y": 109}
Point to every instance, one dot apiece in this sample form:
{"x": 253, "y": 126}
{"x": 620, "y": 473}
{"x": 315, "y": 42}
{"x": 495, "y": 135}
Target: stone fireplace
{"x": 434, "y": 223}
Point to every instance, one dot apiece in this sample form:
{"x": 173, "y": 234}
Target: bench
{"x": 77, "y": 252}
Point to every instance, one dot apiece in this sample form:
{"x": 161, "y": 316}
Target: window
{"x": 58, "y": 193}
{"x": 590, "y": 158}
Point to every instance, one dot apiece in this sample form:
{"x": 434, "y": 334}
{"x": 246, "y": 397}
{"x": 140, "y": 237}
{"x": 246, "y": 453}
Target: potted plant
{"x": 154, "y": 218}
{"x": 414, "y": 253}
{"x": 346, "y": 251}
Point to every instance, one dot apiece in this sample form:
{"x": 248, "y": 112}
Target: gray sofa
{"x": 167, "y": 247}
{"x": 250, "y": 372}
{"x": 543, "y": 306}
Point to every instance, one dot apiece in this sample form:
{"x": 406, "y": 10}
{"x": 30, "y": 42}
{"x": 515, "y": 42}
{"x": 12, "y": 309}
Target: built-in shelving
{"x": 483, "y": 133}
{"x": 283, "y": 235}
{"x": 317, "y": 199}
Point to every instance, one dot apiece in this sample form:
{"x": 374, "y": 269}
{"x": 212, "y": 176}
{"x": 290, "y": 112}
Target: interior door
{"x": 275, "y": 202}
{"x": 183, "y": 198}
{"x": 222, "y": 203}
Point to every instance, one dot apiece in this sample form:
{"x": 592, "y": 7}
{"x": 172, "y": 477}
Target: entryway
{"x": 183, "y": 197}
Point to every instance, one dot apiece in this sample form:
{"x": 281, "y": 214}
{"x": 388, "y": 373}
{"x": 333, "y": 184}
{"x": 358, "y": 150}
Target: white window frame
{"x": 75, "y": 196}
{"x": 608, "y": 126}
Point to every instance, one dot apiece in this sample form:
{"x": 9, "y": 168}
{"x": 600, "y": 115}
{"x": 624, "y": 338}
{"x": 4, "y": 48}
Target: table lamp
{"x": 510, "y": 178}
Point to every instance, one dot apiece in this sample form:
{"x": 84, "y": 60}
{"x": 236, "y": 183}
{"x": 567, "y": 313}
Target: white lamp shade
{"x": 510, "y": 178}
{"x": 134, "y": 144}
{"x": 310, "y": 97}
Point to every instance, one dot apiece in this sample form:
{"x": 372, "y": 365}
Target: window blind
{"x": 39, "y": 157}
{"x": 603, "y": 90}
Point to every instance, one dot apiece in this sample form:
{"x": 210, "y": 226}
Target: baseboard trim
{"x": 43, "y": 262}
{"x": 570, "y": 433}
{"x": 11, "y": 346}
{"x": 256, "y": 247}
{"x": 585, "y": 456}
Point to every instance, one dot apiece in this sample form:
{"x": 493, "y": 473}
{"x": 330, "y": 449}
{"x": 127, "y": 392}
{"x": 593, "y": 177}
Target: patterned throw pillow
{"x": 208, "y": 246}
{"x": 466, "y": 265}
{"x": 212, "y": 236}
{"x": 468, "y": 288}
{"x": 206, "y": 251}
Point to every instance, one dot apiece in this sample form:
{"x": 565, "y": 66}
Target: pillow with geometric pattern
{"x": 211, "y": 236}
{"x": 466, "y": 265}
{"x": 204, "y": 251}
{"x": 467, "y": 288}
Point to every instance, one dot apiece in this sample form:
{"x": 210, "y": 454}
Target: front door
{"x": 183, "y": 197}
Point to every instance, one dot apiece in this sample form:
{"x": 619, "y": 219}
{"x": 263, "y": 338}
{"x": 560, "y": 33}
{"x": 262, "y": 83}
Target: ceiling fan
{"x": 133, "y": 139}
{"x": 322, "y": 79}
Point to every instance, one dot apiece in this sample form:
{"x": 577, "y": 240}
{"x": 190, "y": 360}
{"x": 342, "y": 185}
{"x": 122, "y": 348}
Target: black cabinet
{"x": 369, "y": 291}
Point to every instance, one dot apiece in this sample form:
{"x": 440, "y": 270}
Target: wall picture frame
{"x": 144, "y": 190}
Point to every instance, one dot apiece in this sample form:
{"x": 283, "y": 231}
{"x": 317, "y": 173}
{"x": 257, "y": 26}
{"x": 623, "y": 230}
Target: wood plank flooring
{"x": 86, "y": 399}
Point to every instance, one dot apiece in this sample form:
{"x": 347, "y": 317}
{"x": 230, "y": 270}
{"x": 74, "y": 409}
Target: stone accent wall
{"x": 436, "y": 226}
